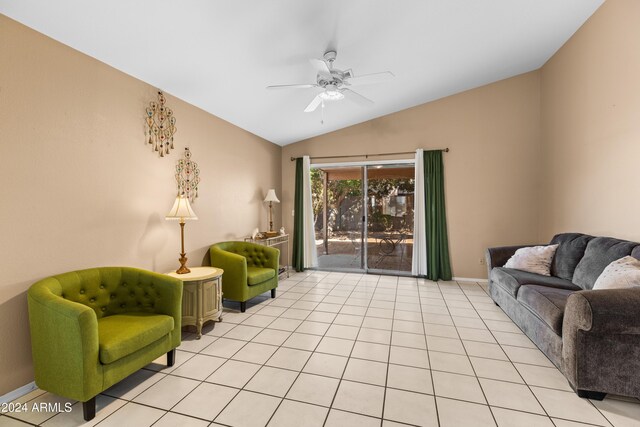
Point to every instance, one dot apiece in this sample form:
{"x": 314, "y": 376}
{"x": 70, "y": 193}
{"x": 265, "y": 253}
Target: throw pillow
{"x": 535, "y": 259}
{"x": 621, "y": 273}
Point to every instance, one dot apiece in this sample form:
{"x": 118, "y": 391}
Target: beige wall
{"x": 81, "y": 189}
{"x": 549, "y": 151}
{"x": 491, "y": 172}
{"x": 591, "y": 127}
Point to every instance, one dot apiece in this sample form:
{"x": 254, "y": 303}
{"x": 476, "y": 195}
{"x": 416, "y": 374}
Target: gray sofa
{"x": 592, "y": 336}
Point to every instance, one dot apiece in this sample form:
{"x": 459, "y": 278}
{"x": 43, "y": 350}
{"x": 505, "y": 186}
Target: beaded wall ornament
{"x": 187, "y": 176}
{"x": 161, "y": 125}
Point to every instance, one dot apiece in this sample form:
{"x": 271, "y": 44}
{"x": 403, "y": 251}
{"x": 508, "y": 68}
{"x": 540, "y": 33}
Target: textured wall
{"x": 82, "y": 189}
{"x": 491, "y": 172}
{"x": 591, "y": 127}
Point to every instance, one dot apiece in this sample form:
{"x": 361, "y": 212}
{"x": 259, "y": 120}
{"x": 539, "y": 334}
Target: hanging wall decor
{"x": 161, "y": 125}
{"x": 187, "y": 176}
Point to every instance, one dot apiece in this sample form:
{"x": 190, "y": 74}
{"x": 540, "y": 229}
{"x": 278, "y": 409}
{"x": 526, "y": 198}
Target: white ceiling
{"x": 220, "y": 55}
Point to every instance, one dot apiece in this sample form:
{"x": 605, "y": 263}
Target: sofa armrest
{"x": 604, "y": 311}
{"x": 64, "y": 343}
{"x": 498, "y": 256}
{"x": 600, "y": 341}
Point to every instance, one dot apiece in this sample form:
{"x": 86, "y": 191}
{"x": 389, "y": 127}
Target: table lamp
{"x": 181, "y": 211}
{"x": 271, "y": 198}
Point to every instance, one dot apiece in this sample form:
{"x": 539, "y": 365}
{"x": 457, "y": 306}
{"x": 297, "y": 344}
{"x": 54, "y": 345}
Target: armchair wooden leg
{"x": 89, "y": 409}
{"x": 171, "y": 357}
{"x": 243, "y": 306}
{"x": 273, "y": 293}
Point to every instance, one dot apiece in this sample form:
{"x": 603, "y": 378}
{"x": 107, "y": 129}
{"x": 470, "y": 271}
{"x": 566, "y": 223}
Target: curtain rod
{"x": 366, "y": 156}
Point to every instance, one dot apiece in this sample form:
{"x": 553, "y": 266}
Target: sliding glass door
{"x": 338, "y": 214}
{"x": 390, "y": 191}
{"x": 364, "y": 216}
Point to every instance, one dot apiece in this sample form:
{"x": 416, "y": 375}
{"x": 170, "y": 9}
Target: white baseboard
{"x": 469, "y": 279}
{"x": 18, "y": 393}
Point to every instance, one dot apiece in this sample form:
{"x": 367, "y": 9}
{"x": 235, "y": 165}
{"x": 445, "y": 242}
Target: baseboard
{"x": 469, "y": 279}
{"x": 18, "y": 393}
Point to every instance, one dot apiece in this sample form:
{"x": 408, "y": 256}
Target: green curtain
{"x": 298, "y": 219}
{"x": 438, "y": 264}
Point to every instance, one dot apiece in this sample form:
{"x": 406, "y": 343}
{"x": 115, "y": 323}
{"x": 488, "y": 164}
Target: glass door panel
{"x": 337, "y": 195}
{"x": 390, "y": 195}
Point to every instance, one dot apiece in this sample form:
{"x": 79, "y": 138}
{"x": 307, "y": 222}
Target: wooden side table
{"x": 201, "y": 296}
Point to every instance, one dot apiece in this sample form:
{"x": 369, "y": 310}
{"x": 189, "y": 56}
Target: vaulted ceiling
{"x": 220, "y": 55}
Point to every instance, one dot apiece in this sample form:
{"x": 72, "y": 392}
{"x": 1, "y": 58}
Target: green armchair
{"x": 249, "y": 269}
{"x": 92, "y": 328}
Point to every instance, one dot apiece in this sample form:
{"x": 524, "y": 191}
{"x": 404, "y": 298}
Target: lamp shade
{"x": 181, "y": 209}
{"x": 271, "y": 196}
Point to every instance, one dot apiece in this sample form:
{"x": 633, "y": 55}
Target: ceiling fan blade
{"x": 366, "y": 79}
{"x": 320, "y": 66}
{"x": 357, "y": 98}
{"x": 300, "y": 86}
{"x": 313, "y": 104}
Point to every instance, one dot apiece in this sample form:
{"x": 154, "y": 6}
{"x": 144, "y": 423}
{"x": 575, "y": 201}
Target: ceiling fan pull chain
{"x": 322, "y": 111}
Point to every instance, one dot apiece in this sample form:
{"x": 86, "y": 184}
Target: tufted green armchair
{"x": 249, "y": 269}
{"x": 92, "y": 328}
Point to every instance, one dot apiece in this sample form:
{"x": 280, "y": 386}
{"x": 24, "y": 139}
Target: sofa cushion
{"x": 510, "y": 280}
{"x": 601, "y": 251}
{"x": 636, "y": 252}
{"x": 546, "y": 303}
{"x": 569, "y": 253}
{"x": 122, "y": 334}
{"x": 257, "y": 275}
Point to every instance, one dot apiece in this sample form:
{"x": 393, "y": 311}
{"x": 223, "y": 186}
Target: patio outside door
{"x": 389, "y": 240}
{"x": 364, "y": 217}
{"x": 339, "y": 217}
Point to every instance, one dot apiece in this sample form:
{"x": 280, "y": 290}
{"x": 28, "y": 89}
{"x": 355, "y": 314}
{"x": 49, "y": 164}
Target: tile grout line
{"x": 469, "y": 358}
{"x": 426, "y": 343}
{"x": 386, "y": 377}
{"x": 204, "y": 380}
{"x": 350, "y": 353}
{"x": 518, "y": 371}
{"x": 307, "y": 361}
{"x": 264, "y": 364}
{"x": 512, "y": 363}
{"x": 300, "y": 372}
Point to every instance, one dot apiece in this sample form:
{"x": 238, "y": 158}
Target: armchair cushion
{"x": 122, "y": 334}
{"x": 257, "y": 275}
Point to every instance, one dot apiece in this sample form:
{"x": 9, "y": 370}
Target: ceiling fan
{"x": 335, "y": 83}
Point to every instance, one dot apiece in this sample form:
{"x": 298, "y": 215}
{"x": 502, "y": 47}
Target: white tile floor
{"x": 337, "y": 349}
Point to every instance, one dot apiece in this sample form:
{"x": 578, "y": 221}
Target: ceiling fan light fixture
{"x": 331, "y": 93}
